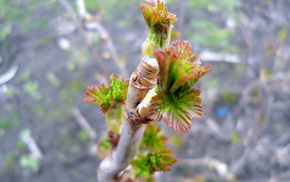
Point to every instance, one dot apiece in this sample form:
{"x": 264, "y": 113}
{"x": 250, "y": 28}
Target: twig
{"x": 94, "y": 25}
{"x": 30, "y": 143}
{"x": 219, "y": 57}
{"x": 96, "y": 51}
{"x": 220, "y": 167}
{"x": 215, "y": 129}
{"x": 9, "y": 74}
{"x": 81, "y": 8}
{"x": 97, "y": 26}
{"x": 83, "y": 123}
{"x": 141, "y": 81}
{"x": 70, "y": 10}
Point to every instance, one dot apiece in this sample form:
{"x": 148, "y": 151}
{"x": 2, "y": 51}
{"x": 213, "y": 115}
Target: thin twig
{"x": 31, "y": 144}
{"x": 219, "y": 57}
{"x": 142, "y": 80}
{"x": 9, "y": 74}
{"x": 83, "y": 123}
{"x": 81, "y": 8}
{"x": 70, "y": 10}
{"x": 97, "y": 26}
{"x": 220, "y": 167}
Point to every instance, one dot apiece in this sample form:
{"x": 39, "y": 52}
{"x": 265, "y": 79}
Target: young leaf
{"x": 109, "y": 96}
{"x": 140, "y": 166}
{"x": 119, "y": 89}
{"x": 159, "y": 21}
{"x": 176, "y": 101}
{"x": 157, "y": 17}
{"x": 153, "y": 137}
{"x": 177, "y": 111}
{"x": 158, "y": 160}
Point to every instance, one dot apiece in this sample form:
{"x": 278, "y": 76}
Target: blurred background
{"x": 50, "y": 51}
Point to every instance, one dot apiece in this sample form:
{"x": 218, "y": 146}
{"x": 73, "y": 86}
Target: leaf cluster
{"x": 110, "y": 96}
{"x": 177, "y": 102}
{"x": 153, "y": 137}
{"x": 158, "y": 160}
{"x": 157, "y": 17}
{"x": 159, "y": 22}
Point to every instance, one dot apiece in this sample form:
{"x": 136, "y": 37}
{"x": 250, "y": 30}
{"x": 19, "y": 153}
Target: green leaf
{"x": 158, "y": 160}
{"x": 159, "y": 21}
{"x": 179, "y": 66}
{"x": 141, "y": 166}
{"x": 109, "y": 96}
{"x": 100, "y": 94}
{"x": 29, "y": 161}
{"x": 153, "y": 137}
{"x": 177, "y": 102}
{"x": 157, "y": 16}
{"x": 177, "y": 111}
{"x": 119, "y": 89}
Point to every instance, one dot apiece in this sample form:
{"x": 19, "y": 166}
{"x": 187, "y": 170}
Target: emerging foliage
{"x": 159, "y": 22}
{"x": 153, "y": 137}
{"x": 157, "y": 17}
{"x": 158, "y": 160}
{"x": 110, "y": 96}
{"x": 177, "y": 102}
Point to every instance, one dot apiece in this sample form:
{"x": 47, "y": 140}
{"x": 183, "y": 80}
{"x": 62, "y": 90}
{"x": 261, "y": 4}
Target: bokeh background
{"x": 49, "y": 55}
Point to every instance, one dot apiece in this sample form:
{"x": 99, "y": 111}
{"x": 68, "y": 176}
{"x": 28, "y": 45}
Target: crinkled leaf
{"x": 177, "y": 111}
{"x": 140, "y": 166}
{"x": 119, "y": 89}
{"x": 178, "y": 66}
{"x": 176, "y": 101}
{"x": 153, "y": 137}
{"x": 167, "y": 70}
{"x": 107, "y": 104}
{"x": 201, "y": 72}
{"x": 157, "y": 16}
{"x": 109, "y": 96}
{"x": 159, "y": 21}
{"x": 97, "y": 93}
{"x": 158, "y": 160}
{"x": 181, "y": 48}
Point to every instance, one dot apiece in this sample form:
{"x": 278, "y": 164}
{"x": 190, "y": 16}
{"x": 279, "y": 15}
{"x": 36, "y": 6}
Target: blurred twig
{"x": 220, "y": 167}
{"x": 92, "y": 24}
{"x": 81, "y": 8}
{"x": 219, "y": 57}
{"x": 9, "y": 74}
{"x": 31, "y": 143}
{"x": 83, "y": 123}
{"x": 70, "y": 10}
{"x": 97, "y": 26}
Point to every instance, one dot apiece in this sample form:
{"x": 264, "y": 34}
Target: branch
{"x": 220, "y": 167}
{"x": 81, "y": 8}
{"x": 141, "y": 81}
{"x": 83, "y": 123}
{"x": 9, "y": 74}
{"x": 97, "y": 26}
{"x": 219, "y": 57}
{"x": 31, "y": 144}
{"x": 70, "y": 10}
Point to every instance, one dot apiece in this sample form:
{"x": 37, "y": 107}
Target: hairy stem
{"x": 141, "y": 81}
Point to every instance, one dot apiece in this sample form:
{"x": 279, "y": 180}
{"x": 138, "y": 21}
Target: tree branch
{"x": 141, "y": 81}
